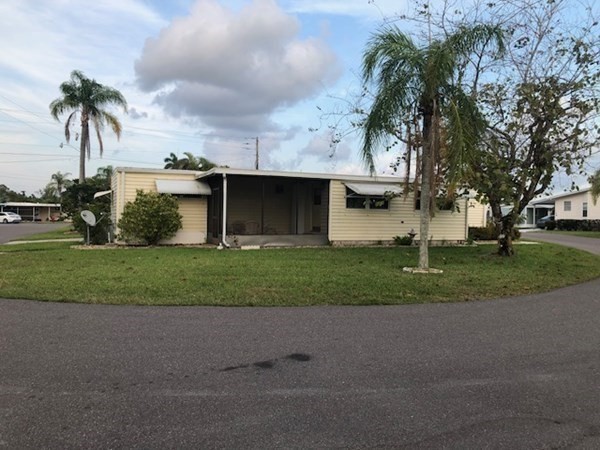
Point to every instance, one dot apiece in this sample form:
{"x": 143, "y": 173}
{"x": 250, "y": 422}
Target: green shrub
{"x": 578, "y": 225}
{"x": 150, "y": 218}
{"x": 482, "y": 233}
{"x": 403, "y": 240}
{"x": 489, "y": 233}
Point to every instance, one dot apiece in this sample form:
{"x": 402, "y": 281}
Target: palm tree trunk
{"x": 82, "y": 149}
{"x": 425, "y": 192}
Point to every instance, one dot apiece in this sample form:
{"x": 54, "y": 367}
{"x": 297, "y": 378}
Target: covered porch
{"x": 267, "y": 210}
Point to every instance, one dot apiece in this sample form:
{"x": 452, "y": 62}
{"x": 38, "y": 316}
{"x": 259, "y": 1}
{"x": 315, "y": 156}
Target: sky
{"x": 202, "y": 76}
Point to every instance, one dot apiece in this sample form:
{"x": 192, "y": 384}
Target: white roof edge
{"x": 148, "y": 170}
{"x": 283, "y": 174}
{"x": 45, "y": 205}
{"x": 557, "y": 196}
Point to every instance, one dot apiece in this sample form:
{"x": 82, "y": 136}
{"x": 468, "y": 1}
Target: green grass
{"x": 198, "y": 276}
{"x": 65, "y": 232}
{"x": 588, "y": 234}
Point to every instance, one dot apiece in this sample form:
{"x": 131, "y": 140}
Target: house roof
{"x": 282, "y": 174}
{"x": 30, "y": 204}
{"x": 147, "y": 170}
{"x": 551, "y": 199}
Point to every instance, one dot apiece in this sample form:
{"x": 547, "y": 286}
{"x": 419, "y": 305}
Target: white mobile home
{"x": 271, "y": 208}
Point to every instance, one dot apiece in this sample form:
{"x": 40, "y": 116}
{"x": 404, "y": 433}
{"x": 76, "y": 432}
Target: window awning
{"x": 374, "y": 189}
{"x": 182, "y": 187}
{"x": 101, "y": 194}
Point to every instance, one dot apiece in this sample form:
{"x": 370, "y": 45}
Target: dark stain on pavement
{"x": 302, "y": 357}
{"x": 270, "y": 363}
{"x": 264, "y": 364}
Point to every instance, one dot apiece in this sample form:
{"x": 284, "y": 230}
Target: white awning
{"x": 374, "y": 189}
{"x": 101, "y": 194}
{"x": 182, "y": 187}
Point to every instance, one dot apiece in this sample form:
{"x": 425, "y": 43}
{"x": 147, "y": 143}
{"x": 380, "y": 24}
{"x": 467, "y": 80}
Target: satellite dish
{"x": 88, "y": 217}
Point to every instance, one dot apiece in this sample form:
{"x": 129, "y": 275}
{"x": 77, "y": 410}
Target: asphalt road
{"x": 11, "y": 231}
{"x": 512, "y": 373}
{"x": 591, "y": 245}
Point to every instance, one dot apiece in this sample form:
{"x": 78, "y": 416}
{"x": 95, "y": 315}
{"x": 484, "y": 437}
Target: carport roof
{"x": 281, "y": 174}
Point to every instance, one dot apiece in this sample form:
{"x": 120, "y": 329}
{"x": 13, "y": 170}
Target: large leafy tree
{"x": 541, "y": 105}
{"x": 418, "y": 98}
{"x": 87, "y": 99}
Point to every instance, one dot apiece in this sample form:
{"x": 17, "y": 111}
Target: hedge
{"x": 578, "y": 225}
{"x": 489, "y": 233}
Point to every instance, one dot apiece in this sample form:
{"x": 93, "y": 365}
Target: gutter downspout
{"x": 224, "y": 231}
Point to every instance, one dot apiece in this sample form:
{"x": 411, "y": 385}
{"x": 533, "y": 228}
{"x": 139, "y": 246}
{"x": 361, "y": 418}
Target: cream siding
{"x": 477, "y": 213}
{"x": 193, "y": 209}
{"x": 576, "y": 212}
{"x": 361, "y": 225}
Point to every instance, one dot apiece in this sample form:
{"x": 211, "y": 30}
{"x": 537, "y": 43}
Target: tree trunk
{"x": 425, "y": 215}
{"x": 84, "y": 138}
{"x": 505, "y": 244}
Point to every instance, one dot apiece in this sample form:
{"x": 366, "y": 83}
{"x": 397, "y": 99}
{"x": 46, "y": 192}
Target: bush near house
{"x": 150, "y": 218}
{"x": 98, "y": 233}
{"x": 578, "y": 225}
{"x": 489, "y": 233}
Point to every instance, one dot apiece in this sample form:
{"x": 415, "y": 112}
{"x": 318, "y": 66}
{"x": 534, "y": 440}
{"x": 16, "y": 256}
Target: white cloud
{"x": 234, "y": 69}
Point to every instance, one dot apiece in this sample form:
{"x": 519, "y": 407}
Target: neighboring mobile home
{"x": 577, "y": 205}
{"x": 269, "y": 208}
{"x": 34, "y": 212}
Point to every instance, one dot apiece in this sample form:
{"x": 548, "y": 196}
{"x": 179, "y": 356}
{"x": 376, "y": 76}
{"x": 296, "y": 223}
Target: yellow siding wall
{"x": 193, "y": 209}
{"x": 477, "y": 214}
{"x": 382, "y": 225}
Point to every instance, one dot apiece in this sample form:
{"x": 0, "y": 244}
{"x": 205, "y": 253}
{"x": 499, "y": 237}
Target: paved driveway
{"x": 591, "y": 245}
{"x": 513, "y": 373}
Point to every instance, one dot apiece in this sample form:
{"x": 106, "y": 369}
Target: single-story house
{"x": 272, "y": 208}
{"x": 577, "y": 205}
{"x": 33, "y": 212}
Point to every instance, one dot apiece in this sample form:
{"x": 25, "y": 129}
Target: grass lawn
{"x": 316, "y": 276}
{"x": 65, "y": 232}
{"x": 589, "y": 234}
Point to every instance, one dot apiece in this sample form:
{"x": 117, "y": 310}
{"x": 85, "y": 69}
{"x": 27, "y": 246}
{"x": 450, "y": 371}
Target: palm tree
{"x": 172, "y": 161}
{"x": 190, "y": 162}
{"x": 415, "y": 87}
{"x": 87, "y": 98}
{"x": 60, "y": 182}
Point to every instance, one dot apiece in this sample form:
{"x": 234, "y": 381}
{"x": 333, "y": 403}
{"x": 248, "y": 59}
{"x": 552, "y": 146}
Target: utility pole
{"x": 256, "y": 159}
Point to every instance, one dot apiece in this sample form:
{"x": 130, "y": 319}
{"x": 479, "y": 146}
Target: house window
{"x": 584, "y": 212}
{"x": 567, "y": 205}
{"x": 357, "y": 201}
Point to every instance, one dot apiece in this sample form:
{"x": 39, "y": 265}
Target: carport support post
{"x": 224, "y": 231}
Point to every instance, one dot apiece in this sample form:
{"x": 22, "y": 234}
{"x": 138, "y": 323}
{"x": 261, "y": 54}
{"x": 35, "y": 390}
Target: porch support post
{"x": 224, "y": 235}
{"x": 262, "y": 209}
